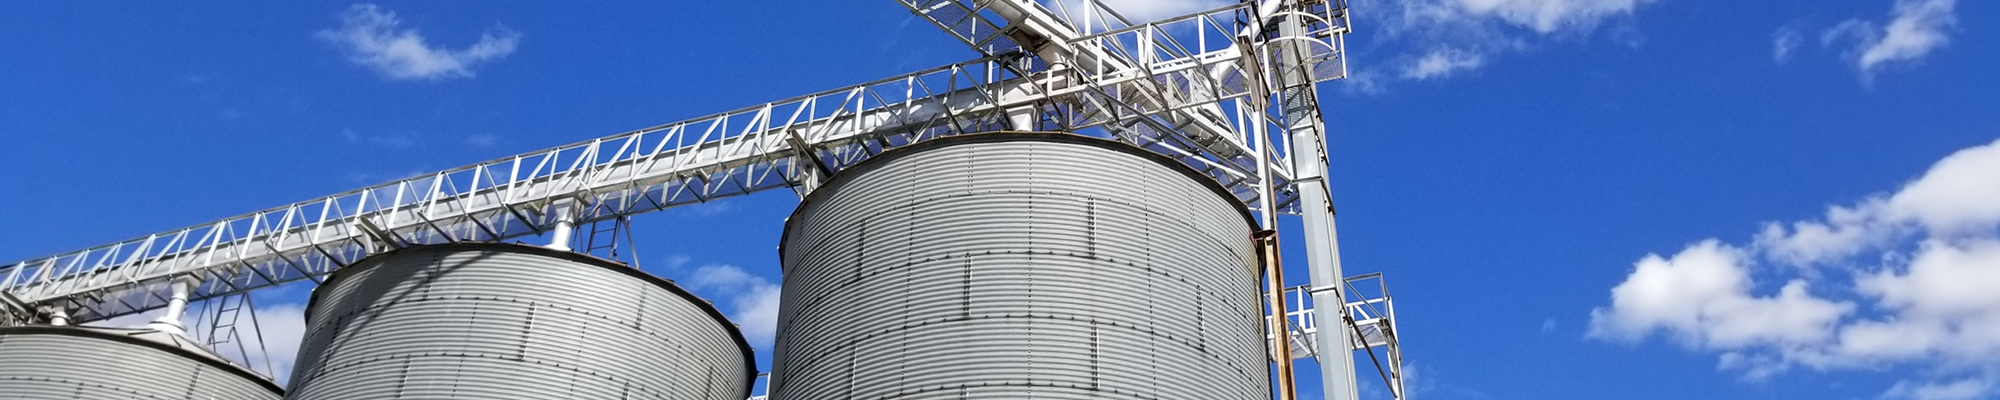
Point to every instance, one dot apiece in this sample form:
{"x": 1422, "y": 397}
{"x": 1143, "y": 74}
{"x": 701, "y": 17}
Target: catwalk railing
{"x": 1181, "y": 64}
{"x": 1370, "y": 323}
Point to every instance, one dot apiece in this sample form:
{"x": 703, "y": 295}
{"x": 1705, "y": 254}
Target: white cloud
{"x": 1451, "y": 17}
{"x": 482, "y": 140}
{"x": 1959, "y": 195}
{"x": 758, "y": 311}
{"x": 133, "y": 321}
{"x": 752, "y": 301}
{"x": 1919, "y": 268}
{"x": 1365, "y": 81}
{"x": 676, "y": 261}
{"x": 282, "y": 326}
{"x": 1844, "y": 231}
{"x": 1955, "y": 198}
{"x": 722, "y": 277}
{"x": 1916, "y": 28}
{"x": 374, "y": 38}
{"x": 1421, "y": 381}
{"x": 1441, "y": 63}
{"x": 1458, "y": 36}
{"x": 1703, "y": 296}
{"x": 1548, "y": 16}
{"x": 1965, "y": 389}
{"x": 707, "y": 209}
{"x": 1783, "y": 43}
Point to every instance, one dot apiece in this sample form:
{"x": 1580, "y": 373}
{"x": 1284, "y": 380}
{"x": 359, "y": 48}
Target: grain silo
{"x": 462, "y": 321}
{"x": 70, "y": 362}
{"x": 1019, "y": 265}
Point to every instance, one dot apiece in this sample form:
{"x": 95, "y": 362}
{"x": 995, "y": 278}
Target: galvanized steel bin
{"x": 1019, "y": 265}
{"x": 68, "y": 363}
{"x": 490, "y": 321}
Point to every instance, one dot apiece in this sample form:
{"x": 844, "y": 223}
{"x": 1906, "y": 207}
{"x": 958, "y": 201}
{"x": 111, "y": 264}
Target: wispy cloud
{"x": 752, "y": 301}
{"x": 1965, "y": 389}
{"x": 707, "y": 209}
{"x": 676, "y": 261}
{"x": 1549, "y": 16}
{"x": 1441, "y": 63}
{"x": 422, "y": 172}
{"x": 1461, "y": 36}
{"x": 397, "y": 141}
{"x": 1916, "y": 29}
{"x": 483, "y": 140}
{"x": 1903, "y": 278}
{"x": 281, "y": 327}
{"x": 374, "y": 38}
{"x": 1783, "y": 42}
{"x": 1419, "y": 381}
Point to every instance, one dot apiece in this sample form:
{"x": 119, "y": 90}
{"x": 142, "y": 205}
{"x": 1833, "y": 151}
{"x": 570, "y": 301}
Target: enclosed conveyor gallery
{"x": 1015, "y": 266}
{"x": 459, "y": 321}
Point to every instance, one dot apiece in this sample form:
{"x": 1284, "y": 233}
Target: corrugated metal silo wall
{"x": 56, "y": 363}
{"x": 1019, "y": 265}
{"x": 487, "y": 321}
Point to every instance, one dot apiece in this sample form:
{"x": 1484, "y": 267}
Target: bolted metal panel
{"x": 66, "y": 363}
{"x": 458, "y": 321}
{"x": 1019, "y": 265}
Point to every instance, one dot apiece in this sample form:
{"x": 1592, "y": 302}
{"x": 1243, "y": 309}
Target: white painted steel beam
{"x": 1096, "y": 41}
{"x": 698, "y": 160}
{"x": 1297, "y": 44}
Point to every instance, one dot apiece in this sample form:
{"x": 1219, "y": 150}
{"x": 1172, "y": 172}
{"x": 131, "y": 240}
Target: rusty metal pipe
{"x": 1274, "y": 294}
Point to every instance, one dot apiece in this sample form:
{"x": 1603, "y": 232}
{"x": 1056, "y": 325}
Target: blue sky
{"x": 1570, "y": 198}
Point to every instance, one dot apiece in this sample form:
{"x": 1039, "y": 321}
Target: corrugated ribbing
{"x": 53, "y": 363}
{"x": 485, "y": 321}
{"x": 1013, "y": 266}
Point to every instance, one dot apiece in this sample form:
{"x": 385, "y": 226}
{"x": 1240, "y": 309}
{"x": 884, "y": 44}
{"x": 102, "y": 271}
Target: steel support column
{"x": 1300, "y": 97}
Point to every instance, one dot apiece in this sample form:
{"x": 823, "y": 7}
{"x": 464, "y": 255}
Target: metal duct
{"x": 1019, "y": 265}
{"x": 486, "y": 321}
{"x": 68, "y": 363}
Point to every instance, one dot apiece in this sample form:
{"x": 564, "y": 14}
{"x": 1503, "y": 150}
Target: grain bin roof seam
{"x": 735, "y": 332}
{"x": 67, "y": 382}
{"x": 1189, "y": 342}
{"x": 112, "y": 335}
{"x": 462, "y": 354}
{"x": 845, "y": 175}
{"x": 1144, "y": 208}
{"x": 1068, "y": 254}
{"x": 425, "y": 298}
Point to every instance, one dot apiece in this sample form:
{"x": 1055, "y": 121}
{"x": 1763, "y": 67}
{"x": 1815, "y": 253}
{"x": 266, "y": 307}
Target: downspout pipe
{"x": 177, "y": 302}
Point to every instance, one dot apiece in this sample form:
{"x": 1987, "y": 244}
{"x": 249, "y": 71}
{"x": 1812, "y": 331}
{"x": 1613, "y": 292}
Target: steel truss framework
{"x": 1371, "y": 318}
{"x": 1199, "y": 87}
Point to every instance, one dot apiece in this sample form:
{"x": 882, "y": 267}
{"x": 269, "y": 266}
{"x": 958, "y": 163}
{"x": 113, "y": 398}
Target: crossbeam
{"x": 703, "y": 159}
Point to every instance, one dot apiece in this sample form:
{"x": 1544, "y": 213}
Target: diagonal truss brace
{"x": 698, "y": 160}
